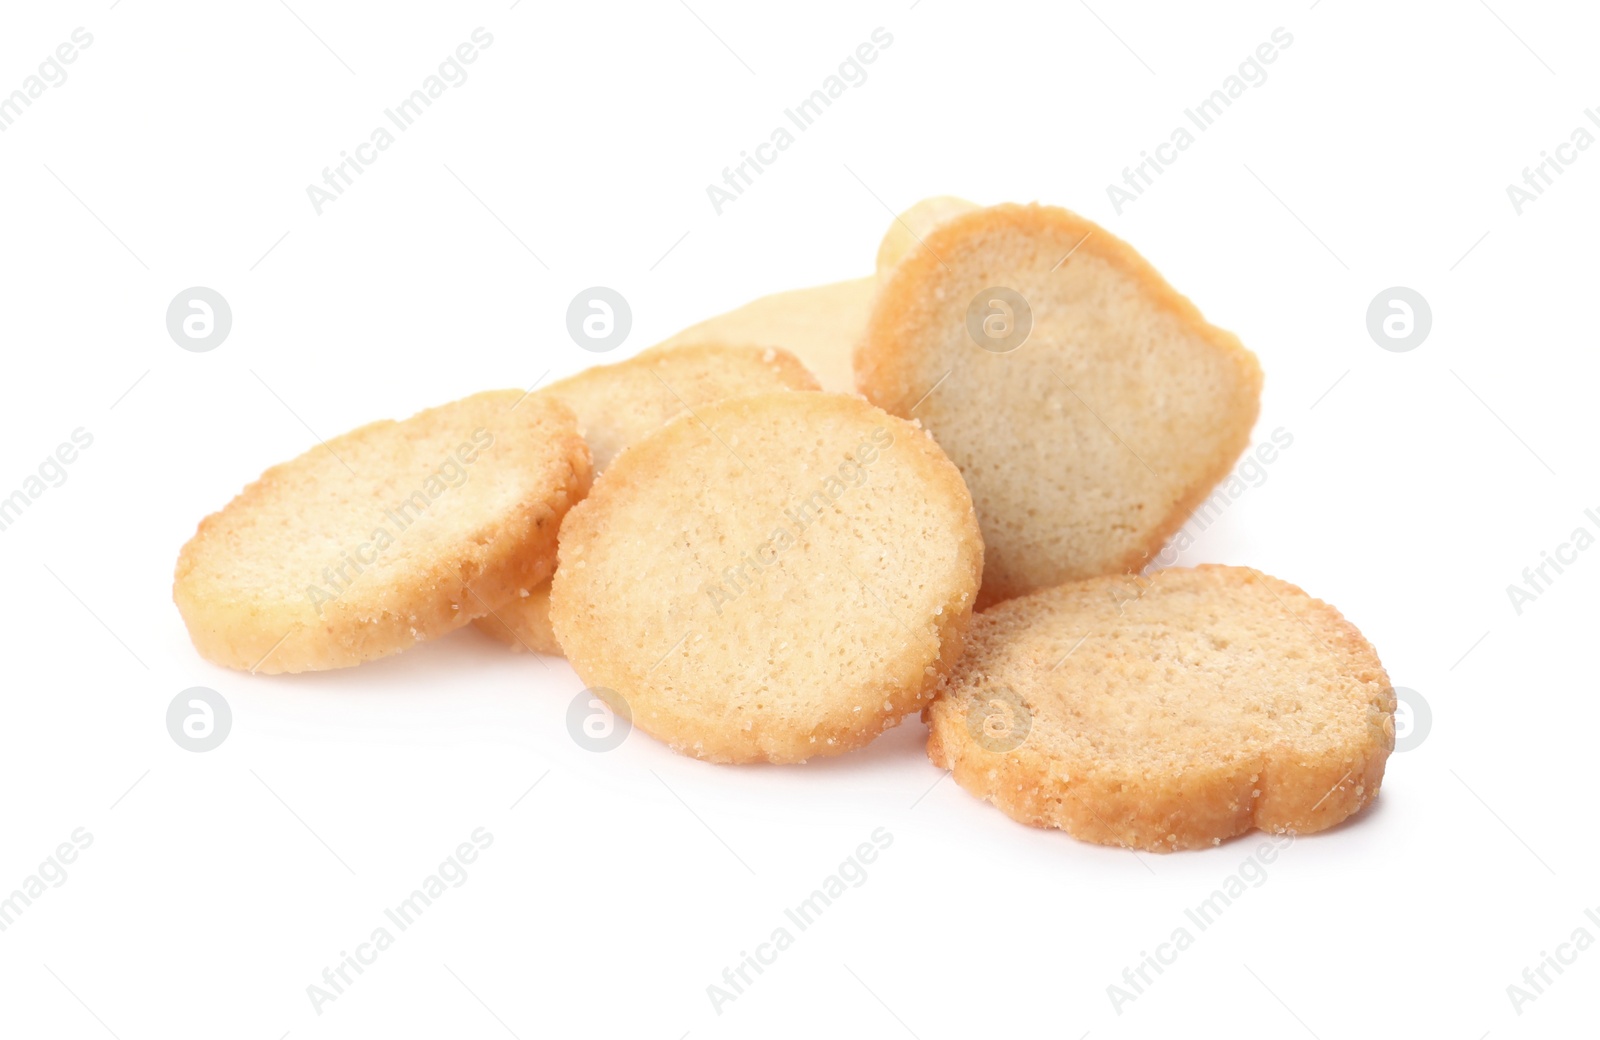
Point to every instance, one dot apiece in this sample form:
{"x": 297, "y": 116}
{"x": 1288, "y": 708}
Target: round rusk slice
{"x": 772, "y": 578}
{"x": 1168, "y": 711}
{"x": 388, "y": 535}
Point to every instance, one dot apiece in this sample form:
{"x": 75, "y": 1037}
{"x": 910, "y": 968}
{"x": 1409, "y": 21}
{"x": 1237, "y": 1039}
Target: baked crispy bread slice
{"x": 1168, "y": 711}
{"x": 388, "y": 535}
{"x": 617, "y": 405}
{"x": 774, "y": 578}
{"x": 1089, "y": 406}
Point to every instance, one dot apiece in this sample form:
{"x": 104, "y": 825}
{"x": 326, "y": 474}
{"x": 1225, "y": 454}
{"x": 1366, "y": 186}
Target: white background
{"x": 1419, "y": 485}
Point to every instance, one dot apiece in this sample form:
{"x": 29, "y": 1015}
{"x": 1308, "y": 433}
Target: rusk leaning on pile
{"x": 1088, "y": 405}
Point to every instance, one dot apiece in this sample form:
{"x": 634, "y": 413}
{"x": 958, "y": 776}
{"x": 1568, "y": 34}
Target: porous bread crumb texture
{"x": 780, "y": 577}
{"x": 1169, "y": 711}
{"x": 617, "y": 405}
{"x": 1087, "y": 446}
{"x": 388, "y": 535}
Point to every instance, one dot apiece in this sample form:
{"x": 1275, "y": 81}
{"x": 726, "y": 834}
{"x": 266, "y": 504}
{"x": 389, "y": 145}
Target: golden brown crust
{"x": 783, "y": 576}
{"x": 1088, "y": 446}
{"x": 388, "y": 535}
{"x": 784, "y": 369}
{"x": 1168, "y": 712}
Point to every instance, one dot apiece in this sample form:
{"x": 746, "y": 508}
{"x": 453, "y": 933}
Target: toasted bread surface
{"x": 1089, "y": 406}
{"x": 1167, "y": 711}
{"x": 388, "y": 535}
{"x": 778, "y": 577}
{"x": 617, "y": 405}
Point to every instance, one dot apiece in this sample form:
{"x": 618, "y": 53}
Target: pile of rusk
{"x": 1014, "y": 416}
